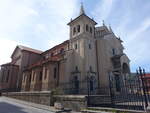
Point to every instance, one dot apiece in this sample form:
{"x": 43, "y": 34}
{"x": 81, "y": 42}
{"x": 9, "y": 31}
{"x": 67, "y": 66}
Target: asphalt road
{"x": 9, "y": 106}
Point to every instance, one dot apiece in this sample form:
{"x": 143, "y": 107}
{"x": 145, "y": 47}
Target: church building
{"x": 92, "y": 58}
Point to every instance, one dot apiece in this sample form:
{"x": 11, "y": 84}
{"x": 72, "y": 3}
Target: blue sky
{"x": 41, "y": 24}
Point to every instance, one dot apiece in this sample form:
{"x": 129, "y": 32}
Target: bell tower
{"x": 82, "y": 24}
{"x": 82, "y": 59}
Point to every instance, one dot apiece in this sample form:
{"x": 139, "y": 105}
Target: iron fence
{"x": 130, "y": 94}
{"x": 134, "y": 93}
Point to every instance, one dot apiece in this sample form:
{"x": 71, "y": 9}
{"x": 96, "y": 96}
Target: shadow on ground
{"x": 9, "y": 108}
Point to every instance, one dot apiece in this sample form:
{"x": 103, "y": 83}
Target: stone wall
{"x": 74, "y": 102}
{"x": 44, "y": 98}
{"x": 99, "y": 100}
{"x": 79, "y": 102}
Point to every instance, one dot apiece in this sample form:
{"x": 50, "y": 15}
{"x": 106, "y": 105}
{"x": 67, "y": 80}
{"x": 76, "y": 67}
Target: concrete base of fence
{"x": 148, "y": 109}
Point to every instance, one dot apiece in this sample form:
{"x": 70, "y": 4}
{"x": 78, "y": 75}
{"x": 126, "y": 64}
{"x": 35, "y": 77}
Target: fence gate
{"x": 133, "y": 93}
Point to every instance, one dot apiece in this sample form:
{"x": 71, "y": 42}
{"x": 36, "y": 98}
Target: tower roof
{"x": 82, "y": 10}
{"x": 81, "y": 15}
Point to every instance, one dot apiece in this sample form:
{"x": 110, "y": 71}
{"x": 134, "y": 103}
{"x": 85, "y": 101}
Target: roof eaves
{"x": 79, "y": 17}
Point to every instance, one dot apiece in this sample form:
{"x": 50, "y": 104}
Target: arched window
{"x": 75, "y": 85}
{"x": 92, "y": 83}
{"x": 87, "y": 27}
{"x": 78, "y": 28}
{"x": 45, "y": 74}
{"x": 117, "y": 81}
{"x": 113, "y": 51}
{"x": 76, "y": 68}
{"x": 52, "y": 54}
{"x": 74, "y": 30}
{"x": 125, "y": 68}
{"x": 2, "y": 78}
{"x": 7, "y": 78}
{"x": 55, "y": 72}
{"x": 76, "y": 46}
{"x": 89, "y": 46}
{"x": 29, "y": 78}
{"x": 90, "y": 68}
{"x": 90, "y": 29}
{"x": 40, "y": 78}
{"x": 62, "y": 50}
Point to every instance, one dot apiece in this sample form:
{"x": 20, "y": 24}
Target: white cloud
{"x": 138, "y": 45}
{"x": 63, "y": 8}
{"x": 6, "y": 49}
{"x": 14, "y": 15}
{"x": 33, "y": 21}
{"x": 138, "y": 31}
{"x": 103, "y": 9}
{"x": 59, "y": 14}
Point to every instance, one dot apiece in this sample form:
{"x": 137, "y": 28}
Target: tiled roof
{"x": 55, "y": 58}
{"x": 8, "y": 64}
{"x": 56, "y": 47}
{"x": 80, "y": 17}
{"x": 30, "y": 49}
{"x": 147, "y": 75}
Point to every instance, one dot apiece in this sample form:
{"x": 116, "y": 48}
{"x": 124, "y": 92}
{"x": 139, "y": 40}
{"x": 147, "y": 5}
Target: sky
{"x": 42, "y": 24}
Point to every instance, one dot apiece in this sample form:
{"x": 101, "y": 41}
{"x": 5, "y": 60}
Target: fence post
{"x": 146, "y": 85}
{"x": 143, "y": 87}
{"x": 110, "y": 88}
{"x": 88, "y": 94}
{"x": 140, "y": 85}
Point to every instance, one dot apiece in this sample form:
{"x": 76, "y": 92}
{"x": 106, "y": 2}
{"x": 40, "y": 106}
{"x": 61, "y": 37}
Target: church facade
{"x": 93, "y": 58}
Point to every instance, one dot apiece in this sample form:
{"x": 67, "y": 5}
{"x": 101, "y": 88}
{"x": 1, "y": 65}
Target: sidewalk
{"x": 39, "y": 106}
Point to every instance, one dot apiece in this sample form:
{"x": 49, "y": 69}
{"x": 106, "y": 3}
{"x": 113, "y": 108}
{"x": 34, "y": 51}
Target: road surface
{"x": 10, "y": 106}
